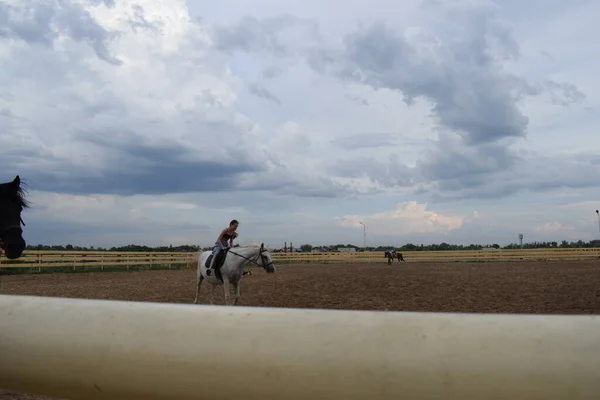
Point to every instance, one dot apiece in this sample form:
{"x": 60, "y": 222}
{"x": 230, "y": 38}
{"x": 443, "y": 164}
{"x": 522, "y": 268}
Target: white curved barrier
{"x": 95, "y": 349}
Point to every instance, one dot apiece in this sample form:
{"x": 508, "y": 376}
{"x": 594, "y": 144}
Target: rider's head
{"x": 234, "y": 224}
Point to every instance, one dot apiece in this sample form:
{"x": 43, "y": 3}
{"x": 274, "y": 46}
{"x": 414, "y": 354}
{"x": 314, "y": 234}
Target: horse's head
{"x": 12, "y": 202}
{"x": 266, "y": 261}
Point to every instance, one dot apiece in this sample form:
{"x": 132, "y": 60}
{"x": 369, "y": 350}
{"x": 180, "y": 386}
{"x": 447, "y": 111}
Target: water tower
{"x": 521, "y": 240}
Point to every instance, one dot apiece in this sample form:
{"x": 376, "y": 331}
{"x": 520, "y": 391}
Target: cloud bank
{"x": 297, "y": 122}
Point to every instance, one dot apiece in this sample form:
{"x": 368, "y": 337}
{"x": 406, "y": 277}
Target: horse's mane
{"x": 249, "y": 247}
{"x": 17, "y": 196}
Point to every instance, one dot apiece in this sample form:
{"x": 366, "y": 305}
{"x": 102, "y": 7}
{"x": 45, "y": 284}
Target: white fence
{"x": 100, "y": 349}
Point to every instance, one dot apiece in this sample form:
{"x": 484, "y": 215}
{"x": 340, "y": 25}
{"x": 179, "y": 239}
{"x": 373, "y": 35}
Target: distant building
{"x": 346, "y": 249}
{"x": 596, "y": 243}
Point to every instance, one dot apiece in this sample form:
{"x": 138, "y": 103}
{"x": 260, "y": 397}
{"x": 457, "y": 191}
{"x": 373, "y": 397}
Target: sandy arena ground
{"x": 498, "y": 287}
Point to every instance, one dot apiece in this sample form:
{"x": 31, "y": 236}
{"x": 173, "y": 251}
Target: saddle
{"x": 217, "y": 265}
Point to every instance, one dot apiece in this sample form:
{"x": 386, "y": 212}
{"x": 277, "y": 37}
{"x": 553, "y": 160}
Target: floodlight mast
{"x": 364, "y": 236}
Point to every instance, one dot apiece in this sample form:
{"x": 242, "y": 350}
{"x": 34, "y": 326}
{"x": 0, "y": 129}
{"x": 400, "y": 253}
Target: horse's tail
{"x": 193, "y": 261}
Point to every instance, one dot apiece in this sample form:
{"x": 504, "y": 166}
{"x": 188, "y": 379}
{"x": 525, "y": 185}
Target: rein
{"x": 253, "y": 261}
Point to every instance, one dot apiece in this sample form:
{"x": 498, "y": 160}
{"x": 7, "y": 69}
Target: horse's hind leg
{"x": 200, "y": 279}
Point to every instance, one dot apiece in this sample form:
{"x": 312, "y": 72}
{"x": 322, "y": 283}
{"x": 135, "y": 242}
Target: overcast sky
{"x": 157, "y": 122}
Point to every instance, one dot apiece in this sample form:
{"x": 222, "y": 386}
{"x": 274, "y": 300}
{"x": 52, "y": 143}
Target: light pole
{"x": 364, "y": 236}
{"x": 598, "y": 213}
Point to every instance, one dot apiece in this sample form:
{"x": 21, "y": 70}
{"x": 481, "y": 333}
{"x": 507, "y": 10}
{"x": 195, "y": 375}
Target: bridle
{"x": 264, "y": 264}
{"x": 10, "y": 228}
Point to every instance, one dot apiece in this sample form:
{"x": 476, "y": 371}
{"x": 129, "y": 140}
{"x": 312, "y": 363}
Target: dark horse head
{"x": 12, "y": 202}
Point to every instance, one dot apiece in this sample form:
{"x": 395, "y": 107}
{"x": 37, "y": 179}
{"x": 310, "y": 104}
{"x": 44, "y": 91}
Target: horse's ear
{"x": 17, "y": 181}
{"x": 262, "y": 245}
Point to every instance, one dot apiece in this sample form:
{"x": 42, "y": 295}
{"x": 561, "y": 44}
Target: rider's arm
{"x": 231, "y": 240}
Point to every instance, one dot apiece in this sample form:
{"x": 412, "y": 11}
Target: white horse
{"x": 232, "y": 269}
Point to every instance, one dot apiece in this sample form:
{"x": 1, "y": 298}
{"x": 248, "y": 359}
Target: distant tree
{"x": 308, "y": 247}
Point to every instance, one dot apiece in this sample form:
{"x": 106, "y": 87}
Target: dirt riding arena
{"x": 505, "y": 287}
{"x": 494, "y": 287}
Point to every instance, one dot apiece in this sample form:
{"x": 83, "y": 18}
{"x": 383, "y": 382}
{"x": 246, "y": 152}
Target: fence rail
{"x": 448, "y": 255}
{"x": 57, "y": 258}
{"x": 102, "y": 349}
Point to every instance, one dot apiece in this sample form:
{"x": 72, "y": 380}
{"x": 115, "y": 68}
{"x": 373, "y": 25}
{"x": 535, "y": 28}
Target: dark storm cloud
{"x": 454, "y": 168}
{"x": 493, "y": 171}
{"x": 133, "y": 165}
{"x": 271, "y": 72}
{"x": 136, "y": 168}
{"x": 29, "y": 22}
{"x": 260, "y": 91}
{"x": 456, "y": 66}
{"x": 38, "y": 23}
{"x": 527, "y": 172}
{"x": 462, "y": 77}
{"x": 468, "y": 94}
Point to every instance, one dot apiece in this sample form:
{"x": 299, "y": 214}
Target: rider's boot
{"x": 209, "y": 269}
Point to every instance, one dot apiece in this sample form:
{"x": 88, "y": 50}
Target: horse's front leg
{"x": 236, "y": 290}
{"x": 226, "y": 291}
{"x": 212, "y": 294}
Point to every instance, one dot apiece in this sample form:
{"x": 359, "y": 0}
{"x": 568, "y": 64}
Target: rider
{"x": 227, "y": 234}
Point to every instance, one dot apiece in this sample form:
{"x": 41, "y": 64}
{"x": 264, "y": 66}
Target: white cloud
{"x": 551, "y": 228}
{"x": 556, "y": 231}
{"x": 406, "y": 219}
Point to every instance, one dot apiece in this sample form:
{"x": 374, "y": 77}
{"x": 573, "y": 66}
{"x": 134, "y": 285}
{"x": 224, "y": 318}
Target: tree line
{"x": 446, "y": 246}
{"x": 308, "y": 247}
